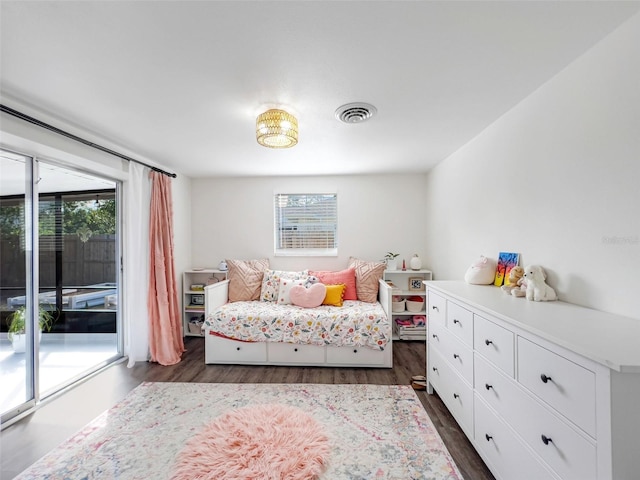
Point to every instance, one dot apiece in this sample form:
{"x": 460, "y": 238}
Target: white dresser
{"x": 542, "y": 389}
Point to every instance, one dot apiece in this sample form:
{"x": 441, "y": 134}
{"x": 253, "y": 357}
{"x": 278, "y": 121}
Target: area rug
{"x": 374, "y": 431}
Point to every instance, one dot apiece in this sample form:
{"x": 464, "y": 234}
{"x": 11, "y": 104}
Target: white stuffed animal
{"x": 537, "y": 288}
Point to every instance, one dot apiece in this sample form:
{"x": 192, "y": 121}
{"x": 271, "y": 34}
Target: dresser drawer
{"x": 437, "y": 310}
{"x": 565, "y": 450}
{"x": 436, "y": 336}
{"x": 460, "y": 322}
{"x": 507, "y": 456}
{"x": 454, "y": 351}
{"x": 453, "y": 391}
{"x": 561, "y": 383}
{"x": 494, "y": 343}
{"x": 294, "y": 353}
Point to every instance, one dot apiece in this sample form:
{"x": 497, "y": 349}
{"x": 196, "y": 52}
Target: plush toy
{"x": 515, "y": 274}
{"x": 537, "y": 288}
{"x": 481, "y": 272}
{"x": 521, "y": 289}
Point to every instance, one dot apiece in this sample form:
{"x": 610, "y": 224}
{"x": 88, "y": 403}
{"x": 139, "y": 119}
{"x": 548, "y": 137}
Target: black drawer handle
{"x": 546, "y": 440}
{"x": 238, "y": 348}
{"x": 455, "y": 320}
{"x": 434, "y": 336}
{"x": 295, "y": 349}
{"x": 455, "y": 395}
{"x": 488, "y": 437}
{"x": 434, "y": 369}
{"x": 433, "y": 307}
{"x": 487, "y": 386}
{"x": 488, "y": 342}
{"x": 545, "y": 379}
{"x": 455, "y": 355}
{"x": 355, "y": 350}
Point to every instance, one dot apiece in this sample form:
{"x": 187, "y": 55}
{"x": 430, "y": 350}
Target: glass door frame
{"x": 31, "y": 227}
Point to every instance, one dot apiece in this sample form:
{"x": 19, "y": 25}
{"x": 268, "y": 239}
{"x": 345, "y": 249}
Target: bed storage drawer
{"x": 231, "y": 351}
{"x": 296, "y": 354}
{"x": 354, "y": 356}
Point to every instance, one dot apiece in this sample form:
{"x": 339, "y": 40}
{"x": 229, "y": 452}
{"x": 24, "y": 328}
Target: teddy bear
{"x": 521, "y": 287}
{"x": 515, "y": 274}
{"x": 537, "y": 288}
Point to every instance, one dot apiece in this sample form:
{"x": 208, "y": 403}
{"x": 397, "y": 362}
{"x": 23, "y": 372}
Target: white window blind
{"x": 306, "y": 224}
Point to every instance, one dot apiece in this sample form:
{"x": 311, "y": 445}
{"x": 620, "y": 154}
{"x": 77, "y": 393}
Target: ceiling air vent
{"x": 355, "y": 112}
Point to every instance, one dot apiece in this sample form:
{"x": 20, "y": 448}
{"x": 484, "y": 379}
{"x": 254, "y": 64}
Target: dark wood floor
{"x": 24, "y": 442}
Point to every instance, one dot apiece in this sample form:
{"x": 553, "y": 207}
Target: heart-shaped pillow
{"x": 308, "y": 297}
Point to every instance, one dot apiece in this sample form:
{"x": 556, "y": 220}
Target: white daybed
{"x": 281, "y": 341}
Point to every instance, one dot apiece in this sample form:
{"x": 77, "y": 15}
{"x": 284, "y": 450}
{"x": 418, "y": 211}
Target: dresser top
{"x": 606, "y": 338}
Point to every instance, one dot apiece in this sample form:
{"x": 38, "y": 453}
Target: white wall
{"x": 233, "y": 218}
{"x": 557, "y": 179}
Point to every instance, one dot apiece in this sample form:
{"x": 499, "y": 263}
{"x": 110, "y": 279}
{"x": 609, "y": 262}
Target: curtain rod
{"x": 51, "y": 128}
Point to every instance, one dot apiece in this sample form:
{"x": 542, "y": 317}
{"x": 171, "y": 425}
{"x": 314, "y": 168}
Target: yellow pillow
{"x": 335, "y": 295}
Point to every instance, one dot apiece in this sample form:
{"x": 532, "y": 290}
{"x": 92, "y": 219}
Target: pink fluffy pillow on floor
{"x": 257, "y": 441}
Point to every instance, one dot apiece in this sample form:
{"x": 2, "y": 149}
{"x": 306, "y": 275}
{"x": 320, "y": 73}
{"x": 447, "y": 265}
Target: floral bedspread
{"x": 356, "y": 323}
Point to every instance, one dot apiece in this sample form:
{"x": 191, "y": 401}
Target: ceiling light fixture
{"x": 276, "y": 128}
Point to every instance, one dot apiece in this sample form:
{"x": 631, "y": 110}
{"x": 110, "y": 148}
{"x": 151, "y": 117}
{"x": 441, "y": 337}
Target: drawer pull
{"x": 295, "y": 349}
{"x": 488, "y": 437}
{"x": 455, "y": 355}
{"x": 487, "y": 386}
{"x": 455, "y": 320}
{"x": 455, "y": 395}
{"x": 545, "y": 379}
{"x": 488, "y": 342}
{"x": 238, "y": 348}
{"x": 434, "y": 336}
{"x": 434, "y": 369}
{"x": 433, "y": 307}
{"x": 355, "y": 350}
{"x": 546, "y": 440}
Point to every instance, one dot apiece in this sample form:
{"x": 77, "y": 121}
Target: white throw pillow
{"x": 285, "y": 287}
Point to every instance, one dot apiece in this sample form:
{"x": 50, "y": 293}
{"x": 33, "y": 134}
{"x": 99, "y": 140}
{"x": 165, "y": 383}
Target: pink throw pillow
{"x": 346, "y": 277}
{"x": 308, "y": 297}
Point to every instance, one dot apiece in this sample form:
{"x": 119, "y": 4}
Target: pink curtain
{"x": 166, "y": 344}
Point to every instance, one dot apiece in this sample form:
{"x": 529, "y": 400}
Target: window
{"x": 306, "y": 224}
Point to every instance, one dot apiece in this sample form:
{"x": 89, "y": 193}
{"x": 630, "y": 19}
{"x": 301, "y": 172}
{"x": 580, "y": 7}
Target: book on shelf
{"x": 195, "y": 307}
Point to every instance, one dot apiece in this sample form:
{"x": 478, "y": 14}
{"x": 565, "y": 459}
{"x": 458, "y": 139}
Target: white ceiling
{"x": 180, "y": 83}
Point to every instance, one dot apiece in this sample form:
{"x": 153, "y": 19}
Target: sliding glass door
{"x": 16, "y": 281}
{"x": 73, "y": 264}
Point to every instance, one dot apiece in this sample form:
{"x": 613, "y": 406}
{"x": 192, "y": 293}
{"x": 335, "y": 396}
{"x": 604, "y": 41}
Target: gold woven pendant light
{"x": 276, "y": 128}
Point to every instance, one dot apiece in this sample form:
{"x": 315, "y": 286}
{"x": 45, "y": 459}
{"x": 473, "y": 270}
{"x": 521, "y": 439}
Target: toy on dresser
{"x": 515, "y": 275}
{"x": 536, "y": 285}
{"x": 481, "y": 272}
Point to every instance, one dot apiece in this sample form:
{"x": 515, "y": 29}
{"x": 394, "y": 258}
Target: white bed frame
{"x": 225, "y": 351}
